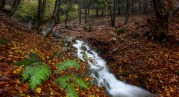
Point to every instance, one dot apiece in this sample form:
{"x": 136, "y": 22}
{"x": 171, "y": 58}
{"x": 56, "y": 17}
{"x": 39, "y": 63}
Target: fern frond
{"x": 2, "y": 41}
{"x": 79, "y": 81}
{"x": 36, "y": 74}
{"x": 68, "y": 63}
{"x": 71, "y": 91}
{"x": 35, "y": 57}
{"x": 62, "y": 81}
{"x": 25, "y": 62}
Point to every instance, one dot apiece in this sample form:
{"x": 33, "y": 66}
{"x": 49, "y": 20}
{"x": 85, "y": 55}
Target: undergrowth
{"x": 37, "y": 72}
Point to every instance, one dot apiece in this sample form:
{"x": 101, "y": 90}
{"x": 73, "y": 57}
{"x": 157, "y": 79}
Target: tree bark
{"x": 79, "y": 11}
{"x": 40, "y": 13}
{"x": 14, "y": 7}
{"x": 54, "y": 19}
{"x": 86, "y": 7}
{"x": 128, "y": 9}
{"x": 160, "y": 27}
{"x": 113, "y": 13}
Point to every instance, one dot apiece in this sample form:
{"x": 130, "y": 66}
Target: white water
{"x": 100, "y": 72}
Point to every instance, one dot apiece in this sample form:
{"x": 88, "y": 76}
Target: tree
{"x": 79, "y": 11}
{"x": 164, "y": 12}
{"x": 113, "y": 13}
{"x": 86, "y": 9}
{"x": 40, "y": 13}
{"x": 54, "y": 18}
{"x": 128, "y": 9}
{"x": 14, "y": 7}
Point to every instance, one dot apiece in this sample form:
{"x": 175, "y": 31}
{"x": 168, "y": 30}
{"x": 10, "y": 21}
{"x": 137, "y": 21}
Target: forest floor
{"x": 130, "y": 56}
{"x": 20, "y": 42}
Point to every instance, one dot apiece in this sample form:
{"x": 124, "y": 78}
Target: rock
{"x": 114, "y": 39}
{"x": 112, "y": 33}
{"x": 65, "y": 49}
{"x": 68, "y": 39}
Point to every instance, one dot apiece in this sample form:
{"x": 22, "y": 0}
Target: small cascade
{"x": 100, "y": 72}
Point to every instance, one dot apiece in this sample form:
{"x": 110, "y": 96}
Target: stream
{"x": 100, "y": 72}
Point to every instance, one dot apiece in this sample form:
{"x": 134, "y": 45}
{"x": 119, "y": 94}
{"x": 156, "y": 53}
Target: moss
{"x": 121, "y": 31}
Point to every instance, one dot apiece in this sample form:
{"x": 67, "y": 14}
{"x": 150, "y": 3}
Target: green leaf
{"x": 62, "y": 81}
{"x": 2, "y": 41}
{"x": 36, "y": 74}
{"x": 25, "y": 62}
{"x": 71, "y": 91}
{"x": 68, "y": 63}
{"x": 35, "y": 57}
{"x": 79, "y": 81}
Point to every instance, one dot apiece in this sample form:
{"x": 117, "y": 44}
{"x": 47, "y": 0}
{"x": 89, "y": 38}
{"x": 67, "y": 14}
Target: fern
{"x": 25, "y": 62}
{"x": 79, "y": 81}
{"x": 62, "y": 81}
{"x": 68, "y": 63}
{"x": 36, "y": 74}
{"x": 35, "y": 57}
{"x": 2, "y": 41}
{"x": 71, "y": 91}
{"x": 64, "y": 84}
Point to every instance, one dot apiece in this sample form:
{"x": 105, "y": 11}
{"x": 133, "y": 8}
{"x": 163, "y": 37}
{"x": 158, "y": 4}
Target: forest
{"x": 89, "y": 48}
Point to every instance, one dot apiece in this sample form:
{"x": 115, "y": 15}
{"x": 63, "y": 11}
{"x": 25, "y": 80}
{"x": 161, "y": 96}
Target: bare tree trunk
{"x": 79, "y": 11}
{"x": 40, "y": 13}
{"x": 54, "y": 19}
{"x": 160, "y": 27}
{"x": 113, "y": 13}
{"x": 102, "y": 11}
{"x": 14, "y": 7}
{"x": 86, "y": 5}
{"x": 128, "y": 9}
{"x": 97, "y": 11}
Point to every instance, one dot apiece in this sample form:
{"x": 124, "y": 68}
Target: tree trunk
{"x": 79, "y": 11}
{"x": 54, "y": 19}
{"x": 102, "y": 11}
{"x": 128, "y": 9}
{"x": 113, "y": 13}
{"x": 97, "y": 11}
{"x": 14, "y": 7}
{"x": 160, "y": 27}
{"x": 40, "y": 13}
{"x": 86, "y": 7}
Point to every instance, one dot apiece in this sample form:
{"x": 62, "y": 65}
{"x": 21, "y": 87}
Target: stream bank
{"x": 133, "y": 58}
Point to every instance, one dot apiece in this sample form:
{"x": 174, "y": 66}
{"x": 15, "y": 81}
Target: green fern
{"x": 25, "y": 62}
{"x": 36, "y": 74}
{"x": 2, "y": 41}
{"x": 79, "y": 81}
{"x": 64, "y": 83}
{"x": 68, "y": 63}
{"x": 35, "y": 57}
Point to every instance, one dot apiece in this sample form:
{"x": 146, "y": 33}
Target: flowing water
{"x": 100, "y": 72}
